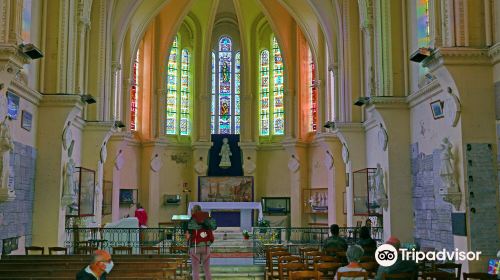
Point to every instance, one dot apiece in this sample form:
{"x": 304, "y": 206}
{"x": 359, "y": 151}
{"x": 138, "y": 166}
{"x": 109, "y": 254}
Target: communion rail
{"x": 295, "y": 238}
{"x": 78, "y": 239}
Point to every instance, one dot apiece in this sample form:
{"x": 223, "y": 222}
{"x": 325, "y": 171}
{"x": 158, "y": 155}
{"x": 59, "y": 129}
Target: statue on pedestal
{"x": 6, "y": 145}
{"x": 225, "y": 153}
{"x": 380, "y": 194}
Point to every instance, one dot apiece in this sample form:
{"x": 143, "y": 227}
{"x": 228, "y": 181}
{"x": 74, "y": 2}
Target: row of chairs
{"x": 87, "y": 250}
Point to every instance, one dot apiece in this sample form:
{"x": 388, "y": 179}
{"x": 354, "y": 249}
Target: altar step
{"x": 232, "y": 243}
{"x": 239, "y": 272}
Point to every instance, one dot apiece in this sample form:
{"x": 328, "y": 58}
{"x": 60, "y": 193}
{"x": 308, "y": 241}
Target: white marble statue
{"x": 380, "y": 194}
{"x": 6, "y": 145}
{"x": 446, "y": 171}
{"x": 225, "y": 153}
{"x": 201, "y": 167}
{"x": 69, "y": 184}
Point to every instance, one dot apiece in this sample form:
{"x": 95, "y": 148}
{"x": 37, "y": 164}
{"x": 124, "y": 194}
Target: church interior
{"x": 368, "y": 112}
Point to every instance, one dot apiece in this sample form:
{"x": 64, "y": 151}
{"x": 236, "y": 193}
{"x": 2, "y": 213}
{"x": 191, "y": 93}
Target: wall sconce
{"x": 119, "y": 124}
{"x": 363, "y": 100}
{"x": 420, "y": 54}
{"x": 89, "y": 99}
{"x": 31, "y": 51}
{"x": 329, "y": 124}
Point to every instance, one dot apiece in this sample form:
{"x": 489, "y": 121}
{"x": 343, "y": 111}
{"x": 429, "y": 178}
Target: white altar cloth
{"x": 245, "y": 207}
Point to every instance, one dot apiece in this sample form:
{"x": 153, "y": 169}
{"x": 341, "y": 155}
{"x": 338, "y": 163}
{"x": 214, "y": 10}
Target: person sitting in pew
{"x": 100, "y": 265}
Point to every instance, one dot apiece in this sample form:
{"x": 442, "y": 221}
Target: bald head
{"x": 100, "y": 255}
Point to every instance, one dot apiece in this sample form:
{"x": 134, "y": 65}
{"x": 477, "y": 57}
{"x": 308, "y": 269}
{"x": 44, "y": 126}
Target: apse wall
{"x": 16, "y": 216}
{"x": 433, "y": 215}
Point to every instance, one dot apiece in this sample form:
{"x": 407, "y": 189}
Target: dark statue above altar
{"x": 225, "y": 156}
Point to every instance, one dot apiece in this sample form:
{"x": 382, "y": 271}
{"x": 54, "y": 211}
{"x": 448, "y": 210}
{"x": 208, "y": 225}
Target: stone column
{"x": 336, "y": 176}
{"x": 352, "y": 136}
{"x": 149, "y": 192}
{"x": 298, "y": 179}
{"x": 54, "y": 112}
{"x": 391, "y": 114}
{"x": 94, "y": 155}
{"x": 200, "y": 164}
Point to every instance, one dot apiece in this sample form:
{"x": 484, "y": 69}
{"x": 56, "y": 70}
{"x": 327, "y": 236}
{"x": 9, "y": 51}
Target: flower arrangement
{"x": 246, "y": 234}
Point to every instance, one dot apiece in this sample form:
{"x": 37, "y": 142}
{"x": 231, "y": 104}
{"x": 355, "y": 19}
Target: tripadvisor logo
{"x": 387, "y": 255}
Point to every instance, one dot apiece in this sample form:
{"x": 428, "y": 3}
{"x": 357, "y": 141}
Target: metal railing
{"x": 79, "y": 240}
{"x": 295, "y": 238}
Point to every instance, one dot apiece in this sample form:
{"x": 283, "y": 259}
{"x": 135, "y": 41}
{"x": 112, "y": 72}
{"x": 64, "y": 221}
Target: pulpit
{"x": 244, "y": 207}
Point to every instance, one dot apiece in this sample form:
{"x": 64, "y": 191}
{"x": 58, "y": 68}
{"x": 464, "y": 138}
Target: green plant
{"x": 246, "y": 234}
{"x": 263, "y": 223}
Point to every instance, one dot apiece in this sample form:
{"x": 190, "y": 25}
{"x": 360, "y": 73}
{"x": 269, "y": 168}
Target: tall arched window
{"x": 313, "y": 93}
{"x": 271, "y": 106}
{"x": 178, "y": 107}
{"x": 225, "y": 107}
{"x": 134, "y": 93}
{"x": 423, "y": 26}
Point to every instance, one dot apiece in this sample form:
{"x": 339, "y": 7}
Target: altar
{"x": 244, "y": 207}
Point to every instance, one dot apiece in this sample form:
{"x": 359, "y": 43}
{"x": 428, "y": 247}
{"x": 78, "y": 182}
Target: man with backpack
{"x": 200, "y": 235}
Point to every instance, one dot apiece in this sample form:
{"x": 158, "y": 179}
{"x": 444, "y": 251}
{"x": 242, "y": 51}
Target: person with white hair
{"x": 353, "y": 254}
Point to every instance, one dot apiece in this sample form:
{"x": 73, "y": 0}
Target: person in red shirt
{"x": 141, "y": 215}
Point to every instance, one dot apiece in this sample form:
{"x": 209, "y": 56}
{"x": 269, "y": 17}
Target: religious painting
{"x": 87, "y": 191}
{"x": 225, "y": 189}
{"x": 26, "y": 120}
{"x": 437, "y": 109}
{"x": 127, "y": 196}
{"x": 12, "y": 105}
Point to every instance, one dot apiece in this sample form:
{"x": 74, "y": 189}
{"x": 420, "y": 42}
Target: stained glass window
{"x": 264, "y": 93}
{"x": 212, "y": 106}
{"x": 225, "y": 107}
{"x": 184, "y": 122}
{"x": 278, "y": 91}
{"x": 271, "y": 104}
{"x": 423, "y": 26}
{"x": 178, "y": 99}
{"x": 313, "y": 93}
{"x": 133, "y": 94}
{"x": 237, "y": 93}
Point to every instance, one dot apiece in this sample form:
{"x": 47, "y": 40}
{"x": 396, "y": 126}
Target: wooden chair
{"x": 85, "y": 250}
{"x": 303, "y": 250}
{"x": 479, "y": 275}
{"x": 284, "y": 269}
{"x": 352, "y": 274}
{"x": 329, "y": 269}
{"x": 29, "y": 249}
{"x": 179, "y": 250}
{"x": 440, "y": 275}
{"x": 309, "y": 258}
{"x": 456, "y": 267}
{"x": 119, "y": 250}
{"x": 322, "y": 259}
{"x": 57, "y": 250}
{"x": 406, "y": 276}
{"x": 273, "y": 265}
{"x": 305, "y": 274}
{"x": 289, "y": 258}
{"x": 153, "y": 249}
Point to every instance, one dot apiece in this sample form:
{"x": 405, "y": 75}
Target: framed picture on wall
{"x": 437, "y": 109}
{"x": 87, "y": 191}
{"x": 26, "y": 120}
{"x": 12, "y": 105}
